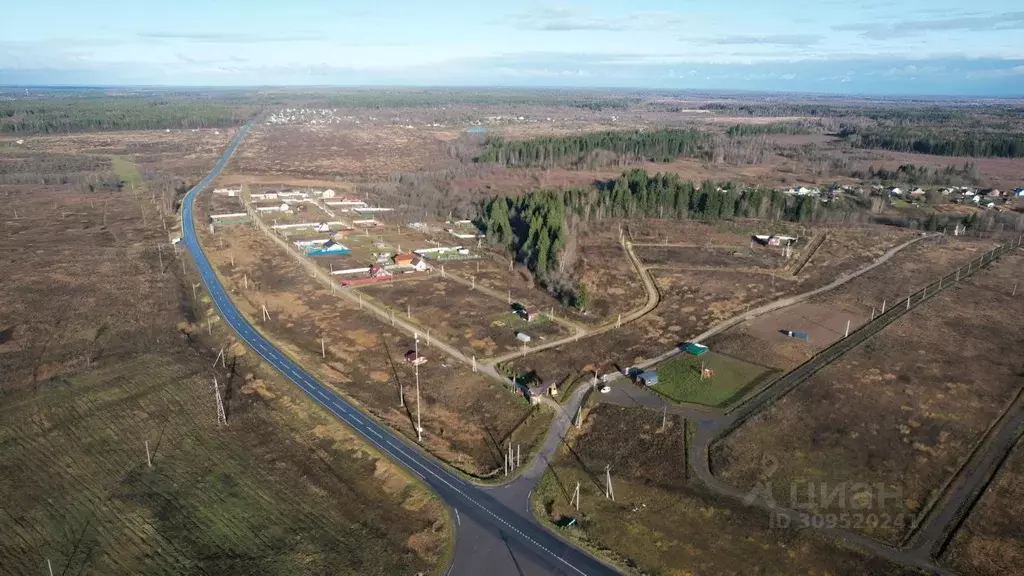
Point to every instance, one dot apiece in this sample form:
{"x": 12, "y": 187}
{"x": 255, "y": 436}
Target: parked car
{"x": 604, "y": 389}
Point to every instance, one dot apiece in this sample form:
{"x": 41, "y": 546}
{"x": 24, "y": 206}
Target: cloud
{"x": 566, "y": 19}
{"x": 232, "y": 37}
{"x": 885, "y": 30}
{"x": 770, "y": 39}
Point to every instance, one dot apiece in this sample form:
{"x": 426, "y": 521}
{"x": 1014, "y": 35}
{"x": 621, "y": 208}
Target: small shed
{"x": 695, "y": 349}
{"x": 523, "y": 337}
{"x": 649, "y": 378}
{"x": 415, "y": 359}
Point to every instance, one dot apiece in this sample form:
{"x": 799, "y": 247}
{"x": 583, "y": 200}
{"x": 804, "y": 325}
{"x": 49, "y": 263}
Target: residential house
{"x": 378, "y": 271}
{"x": 894, "y": 191}
{"x": 917, "y": 192}
{"x": 993, "y": 193}
{"x": 419, "y": 264}
{"x": 404, "y": 259}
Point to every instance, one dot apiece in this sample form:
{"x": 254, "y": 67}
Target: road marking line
{"x": 260, "y": 344}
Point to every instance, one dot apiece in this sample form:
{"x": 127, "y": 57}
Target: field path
{"x": 653, "y": 299}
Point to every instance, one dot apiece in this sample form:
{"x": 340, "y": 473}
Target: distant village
{"x": 990, "y": 198}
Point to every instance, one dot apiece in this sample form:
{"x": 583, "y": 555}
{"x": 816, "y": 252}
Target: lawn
{"x": 679, "y": 379}
{"x": 127, "y": 171}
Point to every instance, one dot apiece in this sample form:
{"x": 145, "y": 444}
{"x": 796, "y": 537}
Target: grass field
{"x": 903, "y": 410}
{"x": 277, "y": 491}
{"x": 991, "y": 541}
{"x": 662, "y": 523}
{"x": 127, "y": 171}
{"x": 679, "y": 379}
{"x": 465, "y": 416}
{"x": 100, "y": 355}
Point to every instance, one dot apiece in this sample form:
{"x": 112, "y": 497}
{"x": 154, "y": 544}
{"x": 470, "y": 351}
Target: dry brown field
{"x": 991, "y": 541}
{"x": 99, "y": 354}
{"x": 663, "y": 523}
{"x": 903, "y": 410}
{"x": 465, "y": 416}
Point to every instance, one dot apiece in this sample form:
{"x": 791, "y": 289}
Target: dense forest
{"x": 945, "y": 143}
{"x": 951, "y": 175}
{"x": 536, "y": 226}
{"x": 659, "y": 146}
{"x": 127, "y": 112}
{"x": 773, "y": 128}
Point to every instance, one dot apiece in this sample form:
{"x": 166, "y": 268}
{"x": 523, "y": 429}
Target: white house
{"x": 894, "y": 191}
{"x": 993, "y": 193}
{"x": 282, "y": 207}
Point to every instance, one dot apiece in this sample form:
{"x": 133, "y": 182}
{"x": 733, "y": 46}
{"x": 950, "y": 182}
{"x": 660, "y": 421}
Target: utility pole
{"x": 323, "y": 349}
{"x": 160, "y": 255}
{"x": 579, "y": 416}
{"x": 847, "y": 329}
{"x": 883, "y": 306}
{"x": 575, "y": 497}
{"x": 221, "y": 416}
{"x": 609, "y": 492}
{"x": 1014, "y": 293}
{"x": 266, "y": 315}
{"x": 872, "y": 313}
{"x": 149, "y": 461}
{"x": 194, "y": 294}
{"x": 49, "y": 566}
{"x": 474, "y": 363}
{"x": 416, "y": 366}
{"x": 664, "y": 415}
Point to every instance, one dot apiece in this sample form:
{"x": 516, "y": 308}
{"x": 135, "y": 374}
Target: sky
{"x": 895, "y": 47}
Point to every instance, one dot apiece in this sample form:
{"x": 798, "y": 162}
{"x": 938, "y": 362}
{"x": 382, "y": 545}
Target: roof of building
{"x": 695, "y": 349}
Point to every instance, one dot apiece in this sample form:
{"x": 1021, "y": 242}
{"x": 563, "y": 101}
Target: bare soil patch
{"x": 476, "y": 323}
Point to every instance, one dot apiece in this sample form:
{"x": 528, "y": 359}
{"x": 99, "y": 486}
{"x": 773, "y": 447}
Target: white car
{"x": 605, "y": 389}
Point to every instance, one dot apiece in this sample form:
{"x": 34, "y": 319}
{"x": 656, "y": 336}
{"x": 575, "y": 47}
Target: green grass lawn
{"x": 127, "y": 172}
{"x": 679, "y": 379}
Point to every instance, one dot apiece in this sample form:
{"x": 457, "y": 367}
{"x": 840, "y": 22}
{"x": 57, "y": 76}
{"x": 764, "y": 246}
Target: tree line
{"x": 921, "y": 175}
{"x": 535, "y": 227}
{"x": 82, "y": 114}
{"x": 772, "y": 128}
{"x": 635, "y": 145}
{"x": 950, "y": 144}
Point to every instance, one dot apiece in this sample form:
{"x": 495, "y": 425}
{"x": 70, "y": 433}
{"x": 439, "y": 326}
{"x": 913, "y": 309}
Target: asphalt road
{"x": 490, "y": 533}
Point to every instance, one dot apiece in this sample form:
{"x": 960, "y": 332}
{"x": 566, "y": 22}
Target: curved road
{"x": 532, "y": 548}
